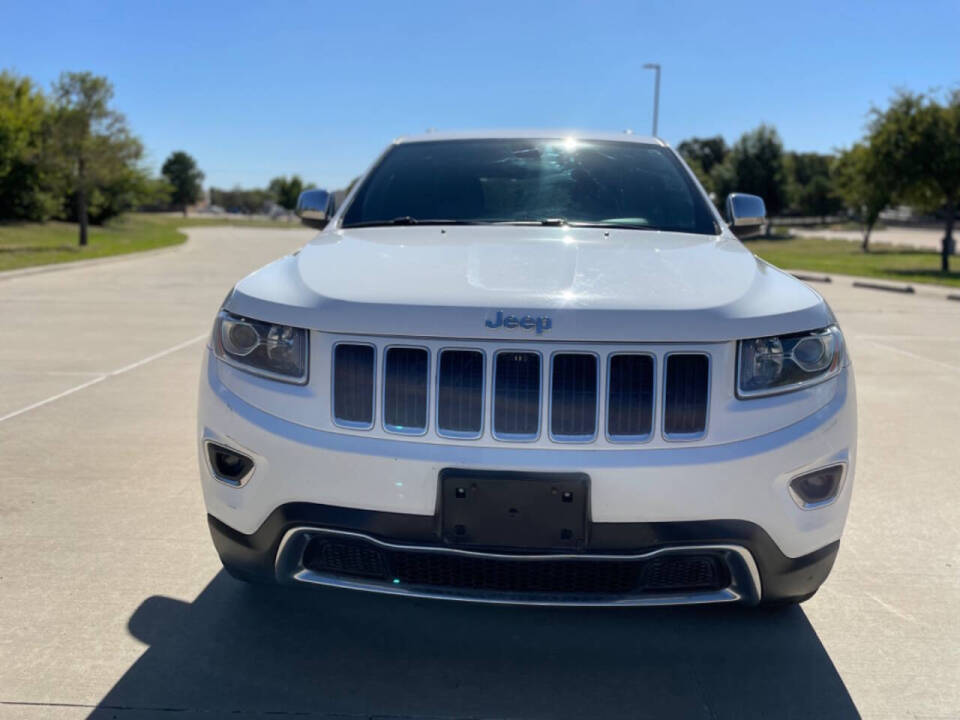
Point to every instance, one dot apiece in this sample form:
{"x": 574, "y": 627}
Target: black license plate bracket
{"x": 514, "y": 510}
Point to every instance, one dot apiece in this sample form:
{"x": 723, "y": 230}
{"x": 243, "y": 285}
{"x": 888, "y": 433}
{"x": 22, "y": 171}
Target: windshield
{"x": 615, "y": 184}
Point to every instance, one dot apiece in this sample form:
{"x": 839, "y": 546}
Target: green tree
{"x": 918, "y": 139}
{"x": 286, "y": 191}
{"x": 239, "y": 200}
{"x": 723, "y": 181}
{"x": 155, "y": 194}
{"x": 185, "y": 179}
{"x": 754, "y": 165}
{"x": 93, "y": 149}
{"x": 703, "y": 155}
{"x": 25, "y": 189}
{"x": 865, "y": 186}
{"x": 809, "y": 188}
{"x": 124, "y": 190}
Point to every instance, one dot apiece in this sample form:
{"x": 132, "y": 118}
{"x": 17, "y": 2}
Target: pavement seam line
{"x": 911, "y": 354}
{"x": 101, "y": 378}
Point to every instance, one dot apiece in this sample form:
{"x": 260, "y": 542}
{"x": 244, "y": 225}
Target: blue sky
{"x": 254, "y": 90}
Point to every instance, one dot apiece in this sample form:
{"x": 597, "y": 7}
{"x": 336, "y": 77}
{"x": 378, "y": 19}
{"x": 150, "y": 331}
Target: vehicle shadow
{"x": 240, "y": 651}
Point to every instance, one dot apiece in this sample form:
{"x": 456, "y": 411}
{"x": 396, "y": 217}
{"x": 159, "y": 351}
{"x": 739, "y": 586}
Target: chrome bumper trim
{"x": 744, "y": 586}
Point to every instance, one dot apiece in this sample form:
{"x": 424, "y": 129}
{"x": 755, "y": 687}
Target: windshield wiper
{"x": 409, "y": 220}
{"x": 563, "y": 222}
{"x": 547, "y": 222}
{"x": 618, "y": 226}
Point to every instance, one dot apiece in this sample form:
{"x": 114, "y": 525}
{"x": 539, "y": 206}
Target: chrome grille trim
{"x": 645, "y": 437}
{"x": 574, "y": 438}
{"x": 398, "y": 428}
{"x": 517, "y": 436}
{"x": 353, "y": 424}
{"x": 686, "y": 436}
{"x": 461, "y": 434}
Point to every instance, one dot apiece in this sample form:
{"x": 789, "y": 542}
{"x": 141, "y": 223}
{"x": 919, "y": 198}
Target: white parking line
{"x": 112, "y": 373}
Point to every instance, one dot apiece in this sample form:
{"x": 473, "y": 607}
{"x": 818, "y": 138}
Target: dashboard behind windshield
{"x": 550, "y": 181}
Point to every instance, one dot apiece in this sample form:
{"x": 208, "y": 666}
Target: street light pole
{"x": 656, "y": 94}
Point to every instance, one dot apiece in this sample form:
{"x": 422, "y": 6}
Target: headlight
{"x": 771, "y": 365}
{"x": 275, "y": 351}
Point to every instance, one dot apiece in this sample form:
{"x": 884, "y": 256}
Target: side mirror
{"x": 315, "y": 208}
{"x": 746, "y": 214}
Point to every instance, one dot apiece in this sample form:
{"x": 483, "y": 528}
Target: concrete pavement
{"x": 113, "y": 604}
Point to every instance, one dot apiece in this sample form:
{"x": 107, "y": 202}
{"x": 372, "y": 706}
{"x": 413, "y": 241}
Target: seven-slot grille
{"x": 569, "y": 383}
{"x": 573, "y": 402}
{"x": 353, "y": 383}
{"x": 516, "y": 395}
{"x": 405, "y": 390}
{"x": 685, "y": 395}
{"x": 460, "y": 393}
{"x": 630, "y": 397}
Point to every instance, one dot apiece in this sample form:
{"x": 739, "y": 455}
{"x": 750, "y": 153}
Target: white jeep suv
{"x": 529, "y": 367}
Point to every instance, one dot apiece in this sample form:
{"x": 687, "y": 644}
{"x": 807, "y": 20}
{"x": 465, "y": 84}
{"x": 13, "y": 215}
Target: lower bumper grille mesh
{"x": 465, "y": 572}
{"x": 689, "y": 572}
{"x": 348, "y": 558}
{"x": 488, "y": 574}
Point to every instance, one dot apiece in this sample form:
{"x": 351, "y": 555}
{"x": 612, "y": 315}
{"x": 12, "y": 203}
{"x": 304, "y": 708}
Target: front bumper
{"x": 758, "y": 570}
{"x": 641, "y": 500}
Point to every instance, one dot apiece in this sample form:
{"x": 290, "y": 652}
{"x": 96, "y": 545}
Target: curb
{"x": 92, "y": 262}
{"x": 927, "y": 290}
{"x": 908, "y": 289}
{"x": 813, "y": 278}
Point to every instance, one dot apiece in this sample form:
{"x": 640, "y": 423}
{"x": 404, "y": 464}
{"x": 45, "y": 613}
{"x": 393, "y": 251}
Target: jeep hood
{"x": 593, "y": 285}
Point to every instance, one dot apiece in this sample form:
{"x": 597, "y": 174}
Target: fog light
{"x": 817, "y": 488}
{"x": 228, "y": 465}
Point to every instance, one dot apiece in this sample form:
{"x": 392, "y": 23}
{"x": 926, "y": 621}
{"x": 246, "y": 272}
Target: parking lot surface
{"x": 113, "y": 603}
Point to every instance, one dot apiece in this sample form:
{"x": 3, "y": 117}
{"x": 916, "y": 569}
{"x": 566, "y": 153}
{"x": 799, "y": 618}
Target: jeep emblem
{"x": 541, "y": 324}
